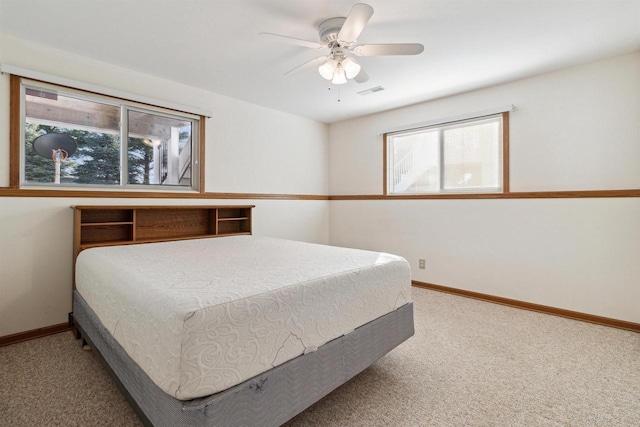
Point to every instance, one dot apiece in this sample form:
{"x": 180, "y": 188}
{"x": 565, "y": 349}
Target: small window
{"x": 73, "y": 138}
{"x": 456, "y": 157}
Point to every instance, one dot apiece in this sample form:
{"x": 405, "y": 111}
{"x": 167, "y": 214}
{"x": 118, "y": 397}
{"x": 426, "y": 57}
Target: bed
{"x": 237, "y": 330}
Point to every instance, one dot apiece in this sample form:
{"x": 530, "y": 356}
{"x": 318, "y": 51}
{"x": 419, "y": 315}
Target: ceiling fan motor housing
{"x": 329, "y": 30}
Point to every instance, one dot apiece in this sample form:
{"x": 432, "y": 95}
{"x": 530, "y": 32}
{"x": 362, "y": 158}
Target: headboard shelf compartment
{"x": 115, "y": 215}
{"x": 107, "y": 232}
{"x": 125, "y": 225}
{"x": 232, "y": 213}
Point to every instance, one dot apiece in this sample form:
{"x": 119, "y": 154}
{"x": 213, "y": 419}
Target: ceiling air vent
{"x": 370, "y": 91}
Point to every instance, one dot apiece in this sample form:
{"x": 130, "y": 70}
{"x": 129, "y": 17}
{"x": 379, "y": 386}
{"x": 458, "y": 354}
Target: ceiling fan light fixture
{"x": 327, "y": 70}
{"x": 351, "y": 67}
{"x": 340, "y": 37}
{"x": 339, "y": 77}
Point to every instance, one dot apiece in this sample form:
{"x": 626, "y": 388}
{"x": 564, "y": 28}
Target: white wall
{"x": 249, "y": 149}
{"x": 575, "y": 129}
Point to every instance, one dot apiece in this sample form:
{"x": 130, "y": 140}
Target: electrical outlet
{"x": 421, "y": 264}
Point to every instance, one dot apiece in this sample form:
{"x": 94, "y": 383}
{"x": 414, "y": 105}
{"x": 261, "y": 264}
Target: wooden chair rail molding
{"x": 510, "y": 195}
{"x": 22, "y": 192}
{"x": 575, "y": 315}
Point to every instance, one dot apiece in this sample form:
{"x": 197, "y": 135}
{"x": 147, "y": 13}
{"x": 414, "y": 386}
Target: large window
{"x": 457, "y": 157}
{"x": 72, "y": 138}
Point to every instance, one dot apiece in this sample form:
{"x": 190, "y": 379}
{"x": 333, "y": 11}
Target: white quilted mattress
{"x": 200, "y": 316}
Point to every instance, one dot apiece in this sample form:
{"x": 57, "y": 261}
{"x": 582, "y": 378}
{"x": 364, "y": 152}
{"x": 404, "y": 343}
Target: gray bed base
{"x": 269, "y": 399}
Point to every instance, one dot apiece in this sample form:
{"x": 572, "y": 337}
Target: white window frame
{"x": 502, "y": 161}
{"x": 125, "y": 106}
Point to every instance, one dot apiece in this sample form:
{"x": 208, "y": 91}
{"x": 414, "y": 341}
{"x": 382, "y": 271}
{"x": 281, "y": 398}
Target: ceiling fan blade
{"x": 362, "y": 76}
{"x": 354, "y": 24}
{"x": 306, "y": 64}
{"x": 388, "y": 49}
{"x": 293, "y": 40}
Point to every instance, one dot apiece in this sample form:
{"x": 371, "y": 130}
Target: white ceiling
{"x": 215, "y": 45}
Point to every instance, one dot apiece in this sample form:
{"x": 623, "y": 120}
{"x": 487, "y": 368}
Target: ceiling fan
{"x": 339, "y": 37}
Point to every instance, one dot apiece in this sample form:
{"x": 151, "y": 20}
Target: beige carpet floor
{"x": 470, "y": 363}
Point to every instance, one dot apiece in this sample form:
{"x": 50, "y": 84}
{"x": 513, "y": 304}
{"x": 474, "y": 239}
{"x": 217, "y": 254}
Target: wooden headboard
{"x": 95, "y": 226}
